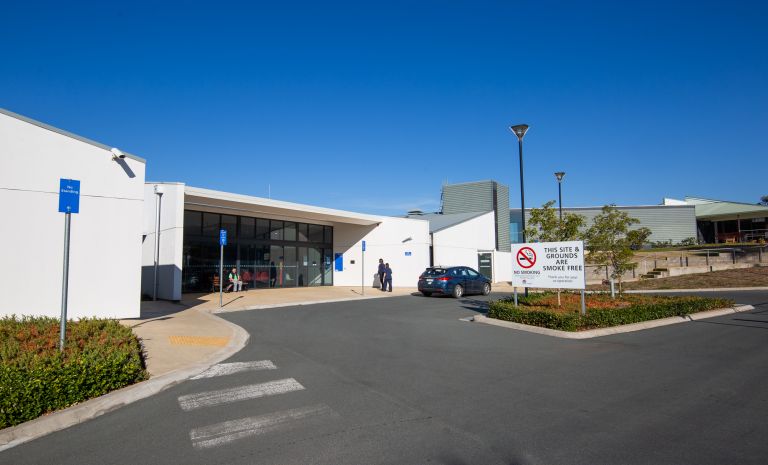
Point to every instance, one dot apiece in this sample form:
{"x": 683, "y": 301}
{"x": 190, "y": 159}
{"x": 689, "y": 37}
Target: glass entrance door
{"x": 485, "y": 264}
{"x": 315, "y": 267}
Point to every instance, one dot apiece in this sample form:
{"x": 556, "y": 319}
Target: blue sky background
{"x": 371, "y": 106}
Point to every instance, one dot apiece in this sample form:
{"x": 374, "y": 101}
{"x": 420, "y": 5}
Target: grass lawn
{"x": 744, "y": 277}
{"x": 541, "y": 309}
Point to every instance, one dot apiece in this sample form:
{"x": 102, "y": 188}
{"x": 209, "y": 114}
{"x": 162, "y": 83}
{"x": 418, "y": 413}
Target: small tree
{"x": 610, "y": 242}
{"x": 763, "y": 200}
{"x": 544, "y": 225}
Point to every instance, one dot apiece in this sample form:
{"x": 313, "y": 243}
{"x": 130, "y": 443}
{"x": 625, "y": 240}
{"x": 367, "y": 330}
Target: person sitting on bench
{"x": 234, "y": 281}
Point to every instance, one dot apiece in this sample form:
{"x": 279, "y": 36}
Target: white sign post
{"x": 550, "y": 265}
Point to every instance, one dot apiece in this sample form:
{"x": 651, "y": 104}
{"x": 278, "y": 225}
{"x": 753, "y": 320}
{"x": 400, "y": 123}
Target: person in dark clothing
{"x": 381, "y": 274}
{"x": 388, "y": 277}
{"x": 272, "y": 274}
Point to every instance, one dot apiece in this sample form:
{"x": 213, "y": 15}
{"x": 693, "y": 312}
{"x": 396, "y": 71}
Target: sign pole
{"x": 583, "y": 302}
{"x": 65, "y": 280}
{"x": 69, "y": 203}
{"x": 221, "y": 274}
{"x": 222, "y": 243}
{"x": 362, "y": 277}
{"x": 515, "y": 296}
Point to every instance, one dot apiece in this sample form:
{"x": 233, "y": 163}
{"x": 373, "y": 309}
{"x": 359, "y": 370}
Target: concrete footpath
{"x": 181, "y": 340}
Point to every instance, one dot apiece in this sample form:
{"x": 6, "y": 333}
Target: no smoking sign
{"x": 526, "y": 257}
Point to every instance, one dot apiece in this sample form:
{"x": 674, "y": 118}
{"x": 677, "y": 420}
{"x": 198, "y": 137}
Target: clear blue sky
{"x": 370, "y": 106}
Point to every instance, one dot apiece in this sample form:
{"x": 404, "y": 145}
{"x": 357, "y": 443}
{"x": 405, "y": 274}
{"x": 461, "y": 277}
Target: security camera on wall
{"x": 117, "y": 153}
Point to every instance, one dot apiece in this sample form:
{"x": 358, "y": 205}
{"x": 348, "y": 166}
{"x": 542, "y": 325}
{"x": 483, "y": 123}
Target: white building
{"x": 105, "y": 251}
{"x": 271, "y": 243}
{"x": 468, "y": 239}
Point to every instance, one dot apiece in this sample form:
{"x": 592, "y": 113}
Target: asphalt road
{"x": 404, "y": 381}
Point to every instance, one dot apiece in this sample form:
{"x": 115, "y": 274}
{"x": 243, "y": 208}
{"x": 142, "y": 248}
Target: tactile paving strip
{"x": 198, "y": 341}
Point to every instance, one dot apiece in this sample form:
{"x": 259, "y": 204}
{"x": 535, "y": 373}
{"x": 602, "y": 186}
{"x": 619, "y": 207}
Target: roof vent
{"x": 415, "y": 213}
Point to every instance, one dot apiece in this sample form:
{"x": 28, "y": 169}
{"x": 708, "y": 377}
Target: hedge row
{"x": 35, "y": 378}
{"x": 638, "y": 309}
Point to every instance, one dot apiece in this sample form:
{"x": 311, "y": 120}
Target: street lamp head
{"x": 519, "y": 130}
{"x": 560, "y": 175}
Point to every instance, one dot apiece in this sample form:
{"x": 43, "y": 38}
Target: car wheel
{"x": 458, "y": 291}
{"x": 486, "y": 289}
{"x": 426, "y": 294}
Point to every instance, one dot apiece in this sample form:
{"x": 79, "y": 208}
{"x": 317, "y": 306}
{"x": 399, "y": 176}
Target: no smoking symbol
{"x": 526, "y": 257}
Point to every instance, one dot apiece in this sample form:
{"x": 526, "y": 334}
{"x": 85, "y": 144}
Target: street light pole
{"x": 520, "y": 130}
{"x": 560, "y": 175}
{"x": 158, "y": 203}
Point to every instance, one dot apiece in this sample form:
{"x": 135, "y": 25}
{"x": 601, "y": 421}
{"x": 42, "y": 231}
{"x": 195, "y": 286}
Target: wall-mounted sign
{"x": 552, "y": 265}
{"x": 407, "y": 254}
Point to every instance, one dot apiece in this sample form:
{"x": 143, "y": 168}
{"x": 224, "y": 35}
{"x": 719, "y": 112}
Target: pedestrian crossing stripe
{"x": 222, "y": 433}
{"x": 224, "y": 369}
{"x": 248, "y": 392}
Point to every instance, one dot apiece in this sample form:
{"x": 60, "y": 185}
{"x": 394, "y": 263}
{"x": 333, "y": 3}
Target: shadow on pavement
{"x": 475, "y": 305}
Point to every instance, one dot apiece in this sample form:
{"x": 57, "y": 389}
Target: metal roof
{"x": 711, "y": 208}
{"x": 210, "y": 199}
{"x": 439, "y": 221}
{"x": 67, "y": 133}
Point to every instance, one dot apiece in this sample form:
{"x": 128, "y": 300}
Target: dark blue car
{"x": 453, "y": 280}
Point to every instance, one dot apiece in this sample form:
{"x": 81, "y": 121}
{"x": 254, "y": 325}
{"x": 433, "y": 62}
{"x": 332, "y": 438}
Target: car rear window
{"x": 433, "y": 272}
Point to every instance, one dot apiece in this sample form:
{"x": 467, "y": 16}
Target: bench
{"x": 215, "y": 284}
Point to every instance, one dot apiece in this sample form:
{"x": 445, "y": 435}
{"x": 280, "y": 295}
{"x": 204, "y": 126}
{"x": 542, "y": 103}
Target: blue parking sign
{"x": 223, "y": 237}
{"x": 363, "y": 246}
{"x": 69, "y": 196}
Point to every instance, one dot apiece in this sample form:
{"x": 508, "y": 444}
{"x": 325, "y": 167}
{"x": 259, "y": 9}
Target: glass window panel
{"x": 315, "y": 233}
{"x": 229, "y": 222}
{"x": 247, "y": 227}
{"x": 289, "y": 232}
{"x": 303, "y": 232}
{"x": 328, "y": 233}
{"x": 301, "y": 266}
{"x": 277, "y": 266}
{"x": 276, "y": 230}
{"x": 291, "y": 270}
{"x": 262, "y": 229}
{"x": 193, "y": 223}
{"x": 211, "y": 224}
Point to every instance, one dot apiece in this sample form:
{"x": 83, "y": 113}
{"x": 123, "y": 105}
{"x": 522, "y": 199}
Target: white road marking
{"x": 250, "y": 391}
{"x": 222, "y": 433}
{"x": 224, "y": 369}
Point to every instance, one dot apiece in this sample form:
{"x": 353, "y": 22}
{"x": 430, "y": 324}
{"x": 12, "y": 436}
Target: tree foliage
{"x": 544, "y": 225}
{"x": 764, "y": 200}
{"x": 610, "y": 241}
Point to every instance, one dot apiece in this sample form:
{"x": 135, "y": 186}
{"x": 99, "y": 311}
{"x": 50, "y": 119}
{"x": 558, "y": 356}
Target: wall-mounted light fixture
{"x": 117, "y": 153}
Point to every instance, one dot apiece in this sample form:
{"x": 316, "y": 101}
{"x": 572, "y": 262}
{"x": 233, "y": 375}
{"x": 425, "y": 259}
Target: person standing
{"x": 272, "y": 274}
{"x": 388, "y": 277}
{"x": 381, "y": 274}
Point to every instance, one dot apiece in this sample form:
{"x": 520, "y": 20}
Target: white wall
{"x": 382, "y": 241}
{"x": 459, "y": 244}
{"x": 171, "y": 241}
{"x": 105, "y": 252}
{"x": 502, "y": 266}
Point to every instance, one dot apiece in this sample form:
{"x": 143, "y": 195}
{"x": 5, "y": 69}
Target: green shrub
{"x": 636, "y": 308}
{"x": 35, "y": 378}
